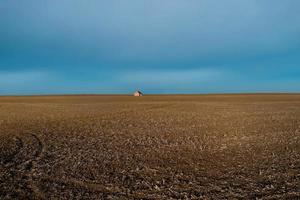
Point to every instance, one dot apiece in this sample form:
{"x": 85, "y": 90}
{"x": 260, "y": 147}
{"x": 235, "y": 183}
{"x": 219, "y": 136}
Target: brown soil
{"x": 150, "y": 147}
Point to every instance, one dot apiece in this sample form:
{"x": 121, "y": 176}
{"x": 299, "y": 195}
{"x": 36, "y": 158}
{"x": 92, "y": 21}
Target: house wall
{"x": 137, "y": 94}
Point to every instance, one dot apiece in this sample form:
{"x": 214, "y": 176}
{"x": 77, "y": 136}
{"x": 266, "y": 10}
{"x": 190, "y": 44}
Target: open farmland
{"x": 150, "y": 147}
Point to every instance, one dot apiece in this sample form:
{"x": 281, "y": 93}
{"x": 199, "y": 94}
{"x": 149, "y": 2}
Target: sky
{"x": 170, "y": 46}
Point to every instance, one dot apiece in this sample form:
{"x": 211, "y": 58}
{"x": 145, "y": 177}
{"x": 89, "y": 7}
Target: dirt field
{"x": 150, "y": 147}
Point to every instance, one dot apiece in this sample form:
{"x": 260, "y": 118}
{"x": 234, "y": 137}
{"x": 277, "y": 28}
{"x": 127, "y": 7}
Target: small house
{"x": 138, "y": 94}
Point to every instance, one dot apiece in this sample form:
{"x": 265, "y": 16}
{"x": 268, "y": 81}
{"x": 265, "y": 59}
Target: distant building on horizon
{"x": 138, "y": 94}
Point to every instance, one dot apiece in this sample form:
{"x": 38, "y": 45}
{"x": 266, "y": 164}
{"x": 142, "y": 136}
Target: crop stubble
{"x": 150, "y": 147}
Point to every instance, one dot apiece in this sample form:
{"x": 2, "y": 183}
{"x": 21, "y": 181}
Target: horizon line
{"x": 152, "y": 94}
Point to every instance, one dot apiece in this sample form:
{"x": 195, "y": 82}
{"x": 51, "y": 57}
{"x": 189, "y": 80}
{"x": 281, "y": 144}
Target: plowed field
{"x": 150, "y": 147}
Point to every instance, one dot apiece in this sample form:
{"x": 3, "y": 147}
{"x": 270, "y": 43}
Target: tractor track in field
{"x": 100, "y": 189}
{"x": 35, "y": 156}
{"x": 29, "y": 149}
{"x": 19, "y": 145}
{"x": 22, "y": 150}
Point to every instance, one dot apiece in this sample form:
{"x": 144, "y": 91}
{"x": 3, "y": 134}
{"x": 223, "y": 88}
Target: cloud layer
{"x": 99, "y": 44}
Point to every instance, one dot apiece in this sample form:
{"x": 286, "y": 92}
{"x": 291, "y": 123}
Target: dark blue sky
{"x": 170, "y": 46}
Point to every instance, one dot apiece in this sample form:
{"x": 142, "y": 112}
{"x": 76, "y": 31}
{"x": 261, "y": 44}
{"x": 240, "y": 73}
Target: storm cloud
{"x": 96, "y": 44}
